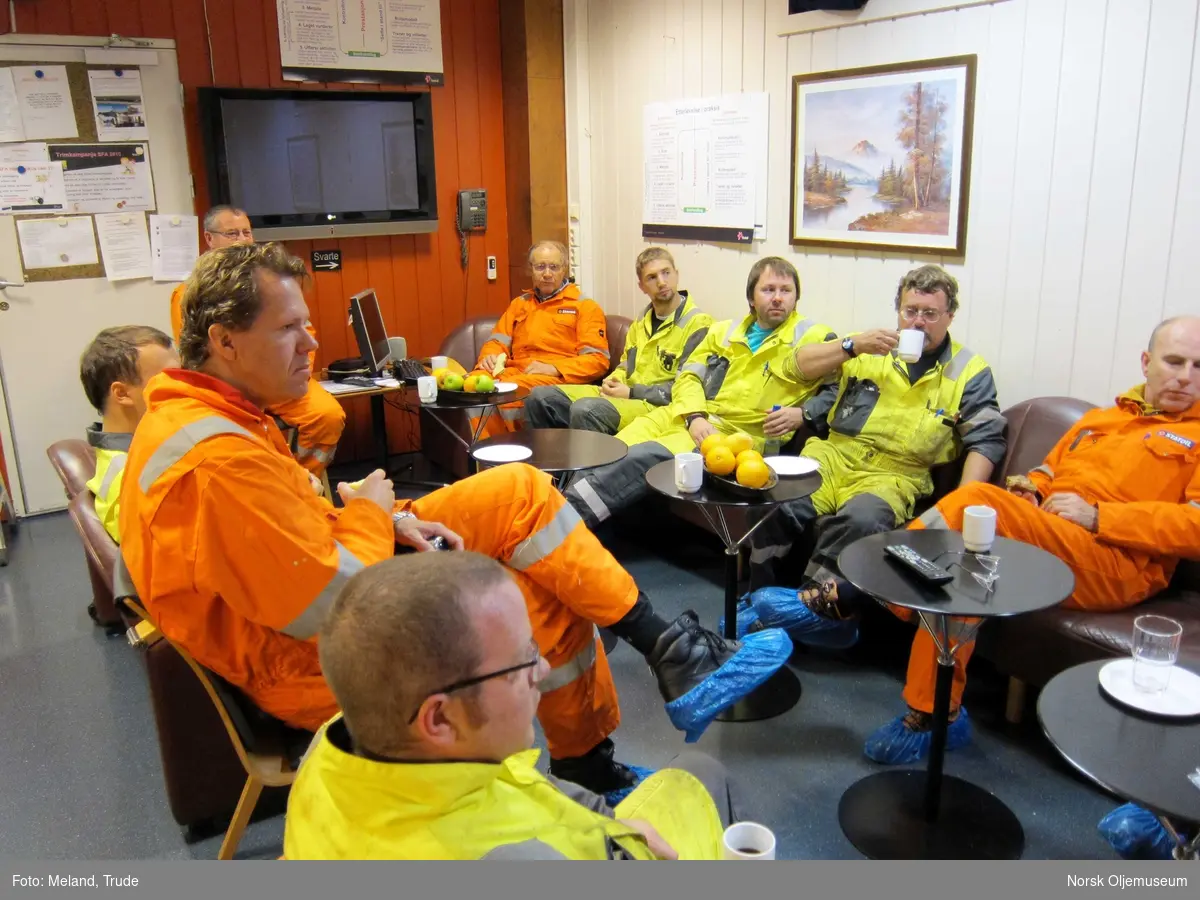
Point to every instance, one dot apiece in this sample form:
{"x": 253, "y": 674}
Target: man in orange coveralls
{"x": 1117, "y": 499}
{"x": 237, "y": 558}
{"x": 317, "y": 417}
{"x": 548, "y": 335}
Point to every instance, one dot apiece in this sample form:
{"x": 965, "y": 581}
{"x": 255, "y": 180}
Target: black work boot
{"x": 686, "y": 654}
{"x": 596, "y": 770}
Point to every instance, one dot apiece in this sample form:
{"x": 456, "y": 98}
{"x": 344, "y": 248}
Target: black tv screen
{"x": 306, "y": 164}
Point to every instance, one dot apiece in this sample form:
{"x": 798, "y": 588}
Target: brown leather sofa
{"x": 74, "y": 461}
{"x": 463, "y": 345}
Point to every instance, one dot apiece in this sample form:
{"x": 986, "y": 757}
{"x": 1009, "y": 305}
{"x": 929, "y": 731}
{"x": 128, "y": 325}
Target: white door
{"x": 47, "y": 324}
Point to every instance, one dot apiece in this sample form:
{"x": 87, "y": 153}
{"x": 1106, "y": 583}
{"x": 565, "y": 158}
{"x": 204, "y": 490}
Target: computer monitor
{"x": 369, "y": 330}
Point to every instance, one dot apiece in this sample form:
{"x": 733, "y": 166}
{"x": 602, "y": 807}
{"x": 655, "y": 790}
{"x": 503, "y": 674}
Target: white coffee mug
{"x": 748, "y": 840}
{"x": 439, "y": 362}
{"x": 912, "y": 343}
{"x": 979, "y": 528}
{"x": 427, "y": 388}
{"x": 689, "y": 472}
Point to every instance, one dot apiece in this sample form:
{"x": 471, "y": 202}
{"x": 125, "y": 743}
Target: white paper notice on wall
{"x": 44, "y": 98}
{"x": 11, "y": 126}
{"x": 124, "y": 245}
{"x": 705, "y": 168}
{"x": 104, "y": 178}
{"x": 173, "y": 246}
{"x": 32, "y": 187}
{"x": 35, "y": 151}
{"x": 58, "y": 242}
{"x": 117, "y": 104}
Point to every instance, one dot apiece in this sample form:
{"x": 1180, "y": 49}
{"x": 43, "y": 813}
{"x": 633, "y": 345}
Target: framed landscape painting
{"x": 881, "y": 156}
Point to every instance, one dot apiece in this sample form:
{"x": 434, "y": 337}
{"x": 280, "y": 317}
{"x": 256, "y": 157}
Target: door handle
{"x": 7, "y": 284}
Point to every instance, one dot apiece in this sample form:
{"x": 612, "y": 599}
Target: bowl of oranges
{"x": 731, "y": 464}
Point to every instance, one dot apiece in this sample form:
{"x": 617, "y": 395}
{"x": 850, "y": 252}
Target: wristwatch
{"x": 848, "y": 346}
{"x": 397, "y": 516}
{"x": 693, "y": 417}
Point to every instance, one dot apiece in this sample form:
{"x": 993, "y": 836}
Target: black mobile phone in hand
{"x": 439, "y": 543}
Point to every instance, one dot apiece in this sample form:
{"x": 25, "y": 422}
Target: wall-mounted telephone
{"x": 472, "y": 211}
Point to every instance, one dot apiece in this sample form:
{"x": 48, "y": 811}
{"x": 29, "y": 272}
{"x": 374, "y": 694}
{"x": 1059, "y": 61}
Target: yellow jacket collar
{"x": 787, "y": 326}
{"x": 421, "y": 785}
{"x": 1134, "y": 400}
{"x": 680, "y": 310}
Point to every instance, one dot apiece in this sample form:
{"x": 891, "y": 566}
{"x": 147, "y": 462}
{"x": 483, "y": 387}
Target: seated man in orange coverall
{"x": 1117, "y": 499}
{"x": 317, "y": 417}
{"x": 548, "y": 335}
{"x": 237, "y": 558}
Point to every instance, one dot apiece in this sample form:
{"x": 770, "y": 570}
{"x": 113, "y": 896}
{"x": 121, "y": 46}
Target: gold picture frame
{"x": 881, "y": 157}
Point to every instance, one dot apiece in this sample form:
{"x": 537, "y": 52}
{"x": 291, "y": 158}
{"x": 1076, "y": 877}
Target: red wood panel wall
{"x": 422, "y": 288}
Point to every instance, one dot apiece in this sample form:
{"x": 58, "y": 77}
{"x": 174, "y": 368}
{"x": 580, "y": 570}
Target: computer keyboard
{"x": 409, "y": 369}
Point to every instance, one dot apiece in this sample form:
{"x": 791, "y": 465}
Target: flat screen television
{"x": 311, "y": 164}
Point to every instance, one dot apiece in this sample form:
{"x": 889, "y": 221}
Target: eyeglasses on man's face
{"x": 547, "y": 267}
{"x": 912, "y": 313}
{"x": 535, "y": 657}
{"x": 236, "y": 233}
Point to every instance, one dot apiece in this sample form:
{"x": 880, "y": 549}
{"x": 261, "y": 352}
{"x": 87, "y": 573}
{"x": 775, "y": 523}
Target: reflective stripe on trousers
{"x": 573, "y": 669}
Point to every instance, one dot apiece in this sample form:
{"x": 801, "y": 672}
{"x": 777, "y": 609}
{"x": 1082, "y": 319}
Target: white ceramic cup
{"x": 748, "y": 840}
{"x": 439, "y": 362}
{"x": 689, "y": 472}
{"x": 912, "y": 342}
{"x": 427, "y": 388}
{"x": 979, "y": 528}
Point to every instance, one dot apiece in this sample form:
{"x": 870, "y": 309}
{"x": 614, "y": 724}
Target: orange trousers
{"x": 514, "y": 514}
{"x": 1106, "y": 577}
{"x": 319, "y": 421}
{"x": 511, "y": 416}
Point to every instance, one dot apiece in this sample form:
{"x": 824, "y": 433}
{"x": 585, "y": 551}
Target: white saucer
{"x": 503, "y": 386}
{"x": 502, "y": 453}
{"x": 1180, "y": 700}
{"x": 787, "y": 466}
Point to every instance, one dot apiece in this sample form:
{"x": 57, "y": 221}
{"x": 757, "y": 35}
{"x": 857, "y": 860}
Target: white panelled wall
{"x": 1084, "y": 226}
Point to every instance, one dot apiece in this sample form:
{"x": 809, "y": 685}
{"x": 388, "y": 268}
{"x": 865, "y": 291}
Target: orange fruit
{"x": 469, "y": 383}
{"x": 719, "y": 460}
{"x": 753, "y": 473}
{"x": 738, "y": 442}
{"x": 748, "y": 454}
{"x": 711, "y": 441}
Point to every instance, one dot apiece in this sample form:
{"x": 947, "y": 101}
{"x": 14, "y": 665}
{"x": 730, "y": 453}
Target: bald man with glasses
{"x": 549, "y": 335}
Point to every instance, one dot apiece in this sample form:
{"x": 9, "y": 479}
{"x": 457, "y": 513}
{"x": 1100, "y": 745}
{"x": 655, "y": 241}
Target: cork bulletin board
{"x": 85, "y": 122}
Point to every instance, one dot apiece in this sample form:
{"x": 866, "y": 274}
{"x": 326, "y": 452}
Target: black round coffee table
{"x": 560, "y": 451}
{"x": 914, "y": 814}
{"x": 782, "y": 691}
{"x": 1139, "y": 757}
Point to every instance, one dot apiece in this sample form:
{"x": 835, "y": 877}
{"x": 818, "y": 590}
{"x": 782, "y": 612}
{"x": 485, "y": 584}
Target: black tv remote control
{"x": 918, "y": 565}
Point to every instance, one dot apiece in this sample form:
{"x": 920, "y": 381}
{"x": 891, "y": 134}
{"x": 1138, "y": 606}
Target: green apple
{"x": 453, "y": 382}
{"x": 484, "y": 384}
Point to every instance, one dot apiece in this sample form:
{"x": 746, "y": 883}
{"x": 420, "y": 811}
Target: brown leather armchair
{"x": 1032, "y": 649}
{"x": 463, "y": 345}
{"x": 75, "y": 463}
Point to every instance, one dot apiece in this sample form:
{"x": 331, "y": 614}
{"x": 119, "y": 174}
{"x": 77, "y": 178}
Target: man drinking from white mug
{"x": 890, "y": 424}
